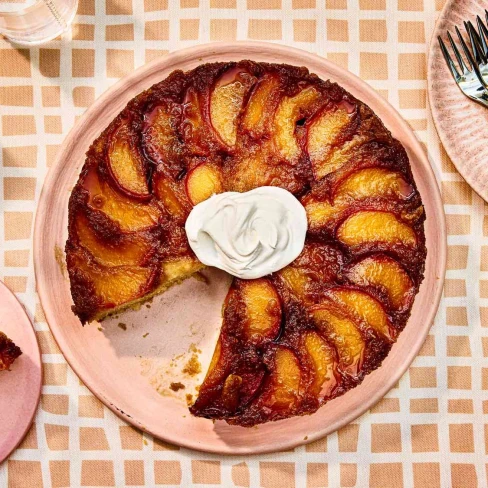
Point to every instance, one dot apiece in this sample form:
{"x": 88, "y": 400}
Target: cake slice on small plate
{"x": 9, "y": 352}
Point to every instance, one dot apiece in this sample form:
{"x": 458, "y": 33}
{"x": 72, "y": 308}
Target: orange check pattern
{"x": 430, "y": 431}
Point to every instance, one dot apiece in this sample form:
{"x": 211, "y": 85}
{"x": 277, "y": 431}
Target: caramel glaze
{"x": 126, "y": 220}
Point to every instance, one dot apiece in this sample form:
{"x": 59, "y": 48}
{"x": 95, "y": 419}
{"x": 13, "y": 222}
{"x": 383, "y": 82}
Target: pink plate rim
{"x": 34, "y": 354}
{"x": 369, "y": 96}
{"x": 448, "y": 142}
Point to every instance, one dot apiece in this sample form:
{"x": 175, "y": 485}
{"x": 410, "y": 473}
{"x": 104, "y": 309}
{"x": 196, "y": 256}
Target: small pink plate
{"x": 131, "y": 361}
{"x": 461, "y": 123}
{"x": 20, "y": 388}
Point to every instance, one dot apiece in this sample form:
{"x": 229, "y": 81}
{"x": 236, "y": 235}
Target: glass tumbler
{"x": 30, "y": 22}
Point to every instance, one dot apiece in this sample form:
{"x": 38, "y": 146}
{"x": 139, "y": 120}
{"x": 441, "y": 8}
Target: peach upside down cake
{"x": 292, "y": 340}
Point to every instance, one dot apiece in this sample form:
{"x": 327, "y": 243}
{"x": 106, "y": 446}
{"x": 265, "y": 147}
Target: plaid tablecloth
{"x": 429, "y": 431}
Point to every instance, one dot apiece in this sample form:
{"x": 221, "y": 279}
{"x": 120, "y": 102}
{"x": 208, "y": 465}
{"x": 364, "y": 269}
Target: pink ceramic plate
{"x": 462, "y": 124}
{"x": 20, "y": 388}
{"x": 126, "y": 368}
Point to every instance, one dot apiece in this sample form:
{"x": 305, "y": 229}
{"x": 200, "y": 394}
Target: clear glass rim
{"x": 23, "y": 11}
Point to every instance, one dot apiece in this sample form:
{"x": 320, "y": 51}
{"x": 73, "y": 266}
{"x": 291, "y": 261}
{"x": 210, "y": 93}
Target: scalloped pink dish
{"x": 20, "y": 388}
{"x": 461, "y": 123}
{"x": 134, "y": 363}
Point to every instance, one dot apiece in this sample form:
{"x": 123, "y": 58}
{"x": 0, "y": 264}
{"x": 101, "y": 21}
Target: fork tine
{"x": 483, "y": 33}
{"x": 475, "y": 43}
{"x": 467, "y": 52}
{"x": 449, "y": 61}
{"x": 459, "y": 58}
{"x": 476, "y": 35}
{"x": 472, "y": 62}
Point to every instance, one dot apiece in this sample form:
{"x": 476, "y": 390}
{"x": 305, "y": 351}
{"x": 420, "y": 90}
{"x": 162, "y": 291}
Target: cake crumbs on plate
{"x": 189, "y": 399}
{"x": 177, "y": 357}
{"x": 122, "y": 326}
{"x": 145, "y": 442}
{"x": 193, "y": 366}
{"x": 175, "y": 386}
{"x": 145, "y": 335}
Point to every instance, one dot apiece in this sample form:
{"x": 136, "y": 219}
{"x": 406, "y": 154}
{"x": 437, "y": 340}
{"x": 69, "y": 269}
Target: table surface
{"x": 429, "y": 431}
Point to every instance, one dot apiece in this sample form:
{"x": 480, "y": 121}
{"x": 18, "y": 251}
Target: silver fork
{"x": 471, "y": 80}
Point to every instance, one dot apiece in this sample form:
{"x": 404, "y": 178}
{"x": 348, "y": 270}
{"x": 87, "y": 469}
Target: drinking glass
{"x": 31, "y": 22}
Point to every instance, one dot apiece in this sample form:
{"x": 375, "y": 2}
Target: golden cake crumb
{"x": 194, "y": 348}
{"x": 193, "y": 366}
{"x": 176, "y": 386}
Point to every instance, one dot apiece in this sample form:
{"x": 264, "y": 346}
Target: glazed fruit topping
{"x": 306, "y": 333}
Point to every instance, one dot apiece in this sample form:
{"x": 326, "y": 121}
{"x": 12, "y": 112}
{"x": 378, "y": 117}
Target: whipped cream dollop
{"x": 250, "y": 234}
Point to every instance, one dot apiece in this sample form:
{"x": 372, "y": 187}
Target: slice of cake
{"x": 9, "y": 352}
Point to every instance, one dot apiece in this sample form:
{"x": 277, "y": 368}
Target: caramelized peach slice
{"x": 365, "y": 308}
{"x": 226, "y": 103}
{"x": 126, "y": 165}
{"x": 373, "y": 182}
{"x": 284, "y": 380}
{"x": 115, "y": 286}
{"x": 363, "y": 184}
{"x": 386, "y": 273}
{"x": 231, "y": 390}
{"x": 317, "y": 264}
{"x": 289, "y": 111}
{"x": 160, "y": 134}
{"x": 262, "y": 309}
{"x": 341, "y": 154}
{"x": 370, "y": 226}
{"x": 202, "y": 182}
{"x": 122, "y": 285}
{"x": 196, "y": 127}
{"x": 322, "y": 134}
{"x": 132, "y": 250}
{"x": 130, "y": 214}
{"x": 214, "y": 361}
{"x": 320, "y": 213}
{"x": 322, "y": 357}
{"x": 343, "y": 333}
{"x": 169, "y": 195}
{"x": 248, "y": 172}
{"x": 296, "y": 279}
{"x": 179, "y": 268}
{"x": 258, "y": 113}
